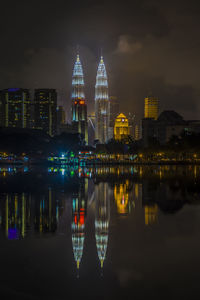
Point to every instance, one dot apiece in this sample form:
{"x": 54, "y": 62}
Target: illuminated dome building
{"x": 101, "y": 104}
{"x": 121, "y": 128}
{"x": 78, "y": 224}
{"x": 79, "y": 107}
{"x": 102, "y": 220}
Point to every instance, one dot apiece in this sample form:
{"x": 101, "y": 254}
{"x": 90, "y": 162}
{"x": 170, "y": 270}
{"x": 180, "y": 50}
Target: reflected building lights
{"x": 102, "y": 219}
{"x": 151, "y": 214}
{"x": 121, "y": 197}
{"x": 15, "y": 215}
{"x": 79, "y": 209}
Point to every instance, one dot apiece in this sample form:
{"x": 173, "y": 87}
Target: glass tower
{"x": 79, "y": 107}
{"x": 101, "y": 104}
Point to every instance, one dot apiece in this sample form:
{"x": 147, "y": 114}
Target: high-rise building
{"x": 137, "y": 132}
{"x": 79, "y": 107}
{"x": 45, "y": 110}
{"x": 113, "y": 110}
{"x": 101, "y": 104}
{"x": 60, "y": 115}
{"x": 113, "y": 113}
{"x": 15, "y": 108}
{"x": 151, "y": 107}
{"x": 60, "y": 119}
{"x": 121, "y": 129}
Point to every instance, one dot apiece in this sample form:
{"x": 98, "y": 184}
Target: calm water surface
{"x": 105, "y": 233}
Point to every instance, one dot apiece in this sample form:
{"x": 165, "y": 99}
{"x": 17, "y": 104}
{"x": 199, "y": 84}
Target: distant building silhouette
{"x": 169, "y": 123}
{"x": 45, "y": 110}
{"x": 113, "y": 113}
{"x": 15, "y": 108}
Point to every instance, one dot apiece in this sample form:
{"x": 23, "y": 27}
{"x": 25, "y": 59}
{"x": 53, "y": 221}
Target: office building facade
{"x": 15, "y": 108}
{"x": 151, "y": 107}
{"x": 45, "y": 110}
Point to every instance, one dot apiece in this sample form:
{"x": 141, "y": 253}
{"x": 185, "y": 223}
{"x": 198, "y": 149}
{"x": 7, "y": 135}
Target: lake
{"x": 100, "y": 233}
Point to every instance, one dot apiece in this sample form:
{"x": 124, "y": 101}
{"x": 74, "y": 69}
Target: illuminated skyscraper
{"x": 102, "y": 220}
{"x": 15, "y": 108}
{"x": 137, "y": 132}
{"x": 79, "y": 107}
{"x": 45, "y": 107}
{"x": 101, "y": 104}
{"x": 151, "y": 107}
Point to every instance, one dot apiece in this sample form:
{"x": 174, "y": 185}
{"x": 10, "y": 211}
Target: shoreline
{"x": 85, "y": 164}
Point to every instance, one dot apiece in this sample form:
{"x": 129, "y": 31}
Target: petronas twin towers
{"x": 79, "y": 107}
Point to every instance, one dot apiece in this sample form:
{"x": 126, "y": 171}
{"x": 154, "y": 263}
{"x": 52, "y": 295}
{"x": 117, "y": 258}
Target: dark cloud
{"x": 148, "y": 46}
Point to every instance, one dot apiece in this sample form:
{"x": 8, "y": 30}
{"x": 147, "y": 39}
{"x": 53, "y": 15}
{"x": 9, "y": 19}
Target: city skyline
{"x": 145, "y": 50}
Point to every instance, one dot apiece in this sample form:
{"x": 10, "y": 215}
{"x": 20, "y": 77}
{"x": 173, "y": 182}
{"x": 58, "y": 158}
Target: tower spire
{"x": 79, "y": 107}
{"x": 101, "y": 103}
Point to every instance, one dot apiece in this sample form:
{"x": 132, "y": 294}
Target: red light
{"x": 82, "y": 102}
{"x": 82, "y": 219}
{"x": 75, "y": 219}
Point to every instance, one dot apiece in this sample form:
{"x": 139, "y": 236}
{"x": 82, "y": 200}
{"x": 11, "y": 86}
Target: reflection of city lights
{"x": 121, "y": 196}
{"x": 12, "y": 234}
{"x": 151, "y": 214}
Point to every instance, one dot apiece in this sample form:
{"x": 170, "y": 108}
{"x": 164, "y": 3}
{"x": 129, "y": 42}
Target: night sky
{"x": 148, "y": 46}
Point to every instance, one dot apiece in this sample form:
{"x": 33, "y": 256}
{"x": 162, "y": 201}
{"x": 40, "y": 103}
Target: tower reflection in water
{"x": 102, "y": 217}
{"x": 79, "y": 210}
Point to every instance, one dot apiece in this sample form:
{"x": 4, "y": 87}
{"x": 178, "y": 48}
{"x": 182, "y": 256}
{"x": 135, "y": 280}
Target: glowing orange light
{"x": 82, "y": 221}
{"x": 75, "y": 219}
{"x": 82, "y": 102}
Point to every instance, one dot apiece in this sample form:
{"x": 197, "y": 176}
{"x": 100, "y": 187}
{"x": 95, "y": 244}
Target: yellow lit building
{"x": 121, "y": 128}
{"x": 137, "y": 132}
{"x": 151, "y": 107}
